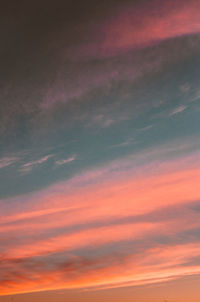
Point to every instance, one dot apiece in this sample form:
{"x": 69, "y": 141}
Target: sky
{"x": 100, "y": 151}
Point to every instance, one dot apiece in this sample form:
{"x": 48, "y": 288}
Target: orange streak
{"x": 116, "y": 196}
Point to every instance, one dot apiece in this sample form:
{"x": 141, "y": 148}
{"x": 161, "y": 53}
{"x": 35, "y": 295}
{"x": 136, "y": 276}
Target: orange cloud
{"x": 150, "y": 266}
{"x": 116, "y": 208}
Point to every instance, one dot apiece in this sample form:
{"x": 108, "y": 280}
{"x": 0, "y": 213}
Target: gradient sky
{"x": 100, "y": 151}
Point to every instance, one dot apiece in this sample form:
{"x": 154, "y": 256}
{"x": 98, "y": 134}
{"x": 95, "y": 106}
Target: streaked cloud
{"x": 27, "y": 167}
{"x": 99, "y": 147}
{"x": 65, "y": 161}
{"x": 7, "y": 161}
{"x": 137, "y": 25}
{"x": 178, "y": 110}
{"x": 96, "y": 213}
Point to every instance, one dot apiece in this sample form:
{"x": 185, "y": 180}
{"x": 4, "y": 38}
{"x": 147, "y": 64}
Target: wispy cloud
{"x": 125, "y": 143}
{"x": 7, "y": 161}
{"x": 178, "y": 110}
{"x": 27, "y": 167}
{"x": 65, "y": 161}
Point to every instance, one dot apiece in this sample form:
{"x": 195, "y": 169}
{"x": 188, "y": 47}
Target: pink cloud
{"x": 65, "y": 161}
{"x": 138, "y": 25}
{"x": 7, "y": 161}
{"x": 150, "y": 266}
{"x": 86, "y": 212}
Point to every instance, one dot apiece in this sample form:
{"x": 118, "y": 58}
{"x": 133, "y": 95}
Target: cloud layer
{"x": 146, "y": 218}
{"x": 99, "y": 145}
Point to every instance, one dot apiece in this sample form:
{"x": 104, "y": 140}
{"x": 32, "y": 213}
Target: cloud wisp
{"x": 65, "y": 161}
{"x": 7, "y": 161}
{"x": 27, "y": 167}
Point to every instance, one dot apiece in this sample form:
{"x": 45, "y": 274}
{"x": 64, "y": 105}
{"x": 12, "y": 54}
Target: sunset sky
{"x": 100, "y": 151}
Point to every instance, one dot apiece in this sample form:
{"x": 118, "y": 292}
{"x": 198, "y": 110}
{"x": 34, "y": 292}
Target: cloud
{"x": 65, "y": 161}
{"x": 131, "y": 26}
{"x": 128, "y": 212}
{"x": 7, "y": 161}
{"x": 27, "y": 167}
{"x": 101, "y": 272}
{"x": 178, "y": 110}
{"x": 121, "y": 207}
